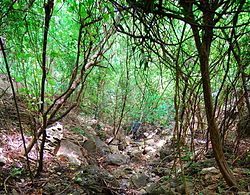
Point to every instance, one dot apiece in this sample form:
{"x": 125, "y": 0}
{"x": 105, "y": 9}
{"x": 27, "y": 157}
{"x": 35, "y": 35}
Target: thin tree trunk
{"x": 212, "y": 126}
{"x": 48, "y": 13}
{"x": 204, "y": 51}
{"x": 203, "y": 43}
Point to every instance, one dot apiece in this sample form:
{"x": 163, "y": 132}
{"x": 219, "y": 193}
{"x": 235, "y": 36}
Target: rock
{"x": 161, "y": 171}
{"x": 95, "y": 180}
{"x": 124, "y": 183}
{"x": 160, "y": 189}
{"x": 135, "y": 154}
{"x": 167, "y": 153}
{"x": 207, "y": 170}
{"x": 117, "y": 159}
{"x": 54, "y": 134}
{"x": 151, "y": 187}
{"x": 142, "y": 192}
{"x": 101, "y": 146}
{"x": 114, "y": 148}
{"x": 166, "y": 132}
{"x": 140, "y": 180}
{"x": 150, "y": 142}
{"x": 181, "y": 188}
{"x": 127, "y": 140}
{"x": 90, "y": 146}
{"x": 124, "y": 172}
{"x": 72, "y": 151}
{"x": 115, "y": 142}
{"x": 149, "y": 149}
{"x": 91, "y": 121}
{"x": 136, "y": 159}
{"x": 160, "y": 143}
{"x": 153, "y": 177}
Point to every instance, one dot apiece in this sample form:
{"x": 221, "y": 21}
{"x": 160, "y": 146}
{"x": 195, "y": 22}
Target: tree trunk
{"x": 212, "y": 126}
{"x": 204, "y": 51}
{"x": 203, "y": 40}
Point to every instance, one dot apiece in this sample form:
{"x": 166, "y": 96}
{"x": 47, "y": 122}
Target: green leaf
{"x": 16, "y": 6}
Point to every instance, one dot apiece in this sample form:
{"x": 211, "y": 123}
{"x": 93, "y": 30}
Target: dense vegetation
{"x": 179, "y": 64}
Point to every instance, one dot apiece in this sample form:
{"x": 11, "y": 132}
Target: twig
{"x": 4, "y": 183}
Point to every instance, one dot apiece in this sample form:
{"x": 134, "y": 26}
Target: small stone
{"x": 160, "y": 143}
{"x": 142, "y": 191}
{"x": 117, "y": 159}
{"x": 140, "y": 180}
{"x": 149, "y": 149}
{"x": 114, "y": 149}
{"x": 150, "y": 141}
{"x": 212, "y": 170}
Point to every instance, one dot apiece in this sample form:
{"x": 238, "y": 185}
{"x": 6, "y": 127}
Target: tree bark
{"x": 212, "y": 126}
{"x": 203, "y": 46}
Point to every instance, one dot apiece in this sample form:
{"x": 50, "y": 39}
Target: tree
{"x": 40, "y": 36}
{"x": 204, "y": 18}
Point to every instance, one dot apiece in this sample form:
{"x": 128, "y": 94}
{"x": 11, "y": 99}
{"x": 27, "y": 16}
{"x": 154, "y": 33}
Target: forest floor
{"x": 83, "y": 163}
